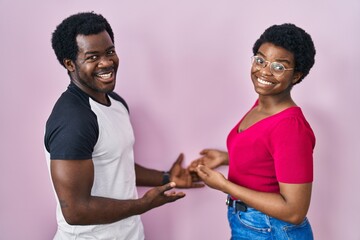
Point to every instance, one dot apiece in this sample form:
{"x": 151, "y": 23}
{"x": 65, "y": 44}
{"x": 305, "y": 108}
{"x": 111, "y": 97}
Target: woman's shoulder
{"x": 292, "y": 120}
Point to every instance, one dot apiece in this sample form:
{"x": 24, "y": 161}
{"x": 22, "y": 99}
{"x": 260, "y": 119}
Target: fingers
{"x": 202, "y": 171}
{"x": 199, "y": 160}
{"x": 168, "y": 186}
{"x": 193, "y": 165}
{"x": 197, "y": 185}
{"x": 202, "y": 168}
{"x": 204, "y": 151}
{"x": 177, "y": 165}
{"x": 172, "y": 194}
{"x": 180, "y": 159}
{"x": 162, "y": 189}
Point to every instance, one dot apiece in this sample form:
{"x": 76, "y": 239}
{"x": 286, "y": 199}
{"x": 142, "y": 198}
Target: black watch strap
{"x": 166, "y": 178}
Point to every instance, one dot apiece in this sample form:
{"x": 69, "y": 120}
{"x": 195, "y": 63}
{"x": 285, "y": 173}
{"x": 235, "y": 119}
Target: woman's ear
{"x": 69, "y": 65}
{"x": 296, "y": 77}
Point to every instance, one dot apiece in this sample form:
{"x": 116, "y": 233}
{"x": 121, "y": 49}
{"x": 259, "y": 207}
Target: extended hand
{"x": 211, "y": 178}
{"x": 182, "y": 176}
{"x": 158, "y": 196}
{"x": 211, "y": 158}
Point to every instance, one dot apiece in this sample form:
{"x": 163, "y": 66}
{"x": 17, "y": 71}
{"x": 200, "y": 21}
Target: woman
{"x": 270, "y": 150}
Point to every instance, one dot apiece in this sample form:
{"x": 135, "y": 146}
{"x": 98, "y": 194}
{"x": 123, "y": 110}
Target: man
{"x": 89, "y": 142}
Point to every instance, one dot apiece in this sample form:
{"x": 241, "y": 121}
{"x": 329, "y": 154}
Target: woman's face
{"x": 279, "y": 79}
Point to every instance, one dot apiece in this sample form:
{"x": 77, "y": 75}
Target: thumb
{"x": 204, "y": 151}
{"x": 180, "y": 159}
{"x": 167, "y": 187}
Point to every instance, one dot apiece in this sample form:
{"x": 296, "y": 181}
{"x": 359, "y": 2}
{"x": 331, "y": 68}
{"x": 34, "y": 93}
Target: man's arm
{"x": 181, "y": 176}
{"x": 148, "y": 177}
{"x": 73, "y": 181}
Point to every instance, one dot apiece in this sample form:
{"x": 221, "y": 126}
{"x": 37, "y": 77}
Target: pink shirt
{"x": 276, "y": 149}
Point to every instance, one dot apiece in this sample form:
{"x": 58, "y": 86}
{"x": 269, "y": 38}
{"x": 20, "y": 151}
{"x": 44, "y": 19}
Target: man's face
{"x": 94, "y": 70}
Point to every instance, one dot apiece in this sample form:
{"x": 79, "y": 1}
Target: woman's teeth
{"x": 264, "y": 82}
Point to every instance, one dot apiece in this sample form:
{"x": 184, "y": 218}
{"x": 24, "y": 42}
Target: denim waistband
{"x": 236, "y": 204}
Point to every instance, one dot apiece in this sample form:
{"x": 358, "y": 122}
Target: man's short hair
{"x": 85, "y": 23}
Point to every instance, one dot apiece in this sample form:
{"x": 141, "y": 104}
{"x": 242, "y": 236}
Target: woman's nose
{"x": 266, "y": 70}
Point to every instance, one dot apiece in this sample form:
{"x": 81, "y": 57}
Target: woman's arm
{"x": 290, "y": 205}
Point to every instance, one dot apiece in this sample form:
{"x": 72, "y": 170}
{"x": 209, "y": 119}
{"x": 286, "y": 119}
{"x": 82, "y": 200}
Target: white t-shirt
{"x": 81, "y": 128}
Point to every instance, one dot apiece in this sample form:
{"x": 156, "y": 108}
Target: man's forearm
{"x": 100, "y": 210}
{"x": 148, "y": 177}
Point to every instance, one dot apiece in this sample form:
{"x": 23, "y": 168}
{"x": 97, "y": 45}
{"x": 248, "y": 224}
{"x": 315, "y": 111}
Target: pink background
{"x": 185, "y": 74}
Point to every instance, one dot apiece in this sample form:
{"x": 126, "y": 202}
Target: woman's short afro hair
{"x": 64, "y": 37}
{"x": 293, "y": 39}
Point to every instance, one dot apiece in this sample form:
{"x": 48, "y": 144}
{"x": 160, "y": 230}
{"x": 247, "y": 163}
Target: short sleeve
{"x": 292, "y": 147}
{"x": 71, "y": 130}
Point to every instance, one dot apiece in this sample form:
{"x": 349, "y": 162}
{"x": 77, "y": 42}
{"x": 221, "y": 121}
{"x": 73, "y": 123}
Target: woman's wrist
{"x": 225, "y": 159}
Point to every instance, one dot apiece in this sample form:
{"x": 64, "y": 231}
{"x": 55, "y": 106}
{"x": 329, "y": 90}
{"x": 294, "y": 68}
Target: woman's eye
{"x": 278, "y": 67}
{"x": 260, "y": 60}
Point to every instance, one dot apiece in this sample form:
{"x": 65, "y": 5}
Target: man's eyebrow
{"x": 91, "y": 52}
{"x": 96, "y": 52}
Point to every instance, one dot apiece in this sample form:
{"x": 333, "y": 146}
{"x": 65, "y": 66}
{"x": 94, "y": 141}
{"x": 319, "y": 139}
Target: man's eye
{"x": 92, "y": 58}
{"x": 111, "y": 52}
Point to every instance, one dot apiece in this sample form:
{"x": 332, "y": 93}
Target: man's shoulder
{"x": 71, "y": 109}
{"x": 72, "y": 101}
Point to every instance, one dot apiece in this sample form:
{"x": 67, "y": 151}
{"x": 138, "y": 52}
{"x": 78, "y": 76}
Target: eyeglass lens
{"x": 275, "y": 67}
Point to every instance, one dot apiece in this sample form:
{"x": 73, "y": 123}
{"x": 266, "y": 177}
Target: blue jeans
{"x": 255, "y": 225}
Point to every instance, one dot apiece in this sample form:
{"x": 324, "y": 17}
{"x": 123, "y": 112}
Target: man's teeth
{"x": 264, "y": 82}
{"x": 105, "y": 76}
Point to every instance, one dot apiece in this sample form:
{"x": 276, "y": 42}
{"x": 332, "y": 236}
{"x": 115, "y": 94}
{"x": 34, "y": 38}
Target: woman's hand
{"x": 211, "y": 178}
{"x": 211, "y": 158}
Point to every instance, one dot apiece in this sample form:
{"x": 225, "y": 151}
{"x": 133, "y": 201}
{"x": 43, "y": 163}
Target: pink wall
{"x": 185, "y": 74}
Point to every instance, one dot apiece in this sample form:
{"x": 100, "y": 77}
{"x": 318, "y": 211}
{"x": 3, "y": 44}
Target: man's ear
{"x": 69, "y": 65}
{"x": 296, "y": 77}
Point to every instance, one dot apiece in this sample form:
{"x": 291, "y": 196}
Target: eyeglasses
{"x": 277, "y": 69}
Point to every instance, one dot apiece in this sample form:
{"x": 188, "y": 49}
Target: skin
{"x": 293, "y": 201}
{"x": 96, "y": 56}
{"x": 94, "y": 72}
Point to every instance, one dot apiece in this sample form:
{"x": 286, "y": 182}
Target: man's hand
{"x": 159, "y": 196}
{"x": 181, "y": 176}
